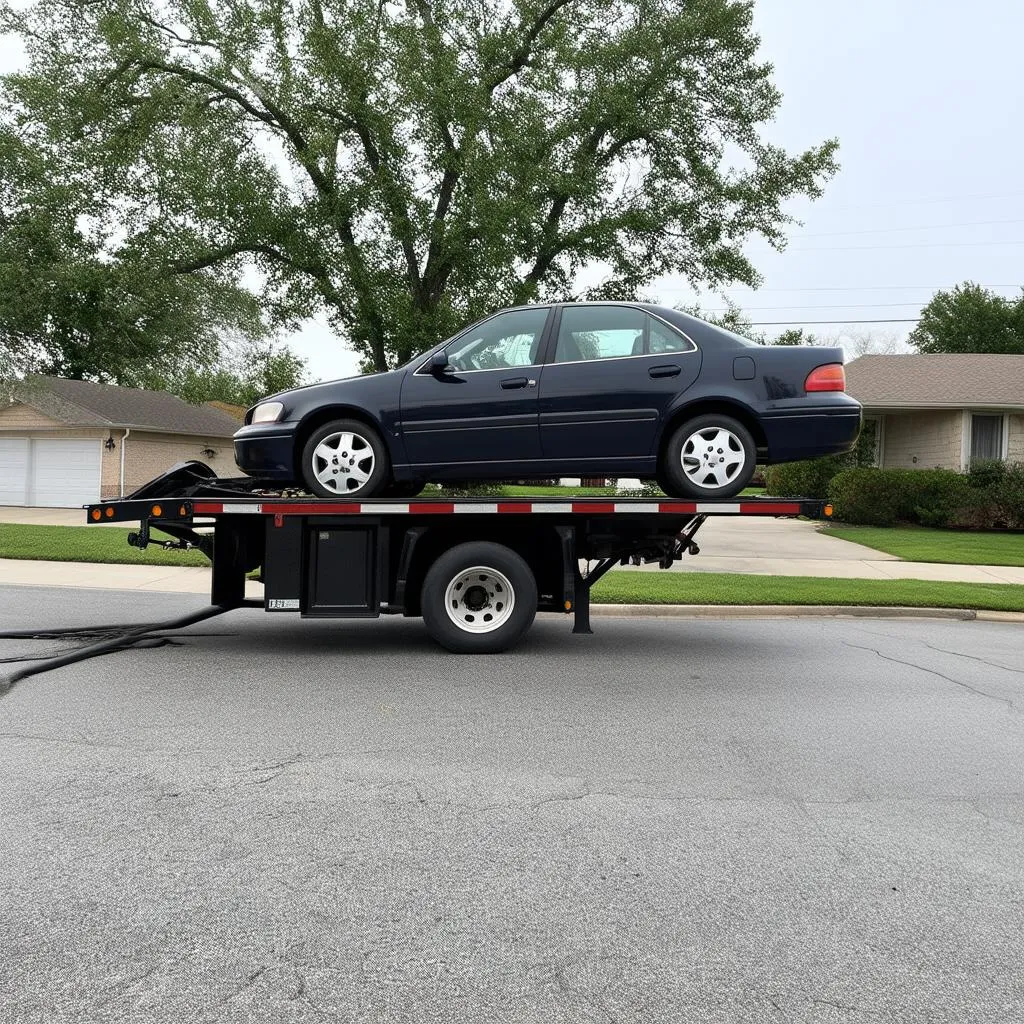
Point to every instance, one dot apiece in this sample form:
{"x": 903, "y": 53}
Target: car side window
{"x": 664, "y": 339}
{"x": 505, "y": 341}
{"x": 599, "y": 332}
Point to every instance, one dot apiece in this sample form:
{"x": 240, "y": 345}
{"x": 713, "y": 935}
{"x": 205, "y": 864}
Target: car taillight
{"x": 831, "y": 377}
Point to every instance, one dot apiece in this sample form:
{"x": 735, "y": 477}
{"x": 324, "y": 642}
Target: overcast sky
{"x": 926, "y": 100}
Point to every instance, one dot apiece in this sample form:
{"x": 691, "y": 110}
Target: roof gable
{"x": 937, "y": 381}
{"x": 84, "y": 403}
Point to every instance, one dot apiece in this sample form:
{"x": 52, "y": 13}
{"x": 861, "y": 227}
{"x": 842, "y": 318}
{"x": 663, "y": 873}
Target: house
{"x": 941, "y": 410}
{"x": 70, "y": 442}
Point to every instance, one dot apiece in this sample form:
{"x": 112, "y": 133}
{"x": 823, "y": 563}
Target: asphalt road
{"x": 672, "y": 820}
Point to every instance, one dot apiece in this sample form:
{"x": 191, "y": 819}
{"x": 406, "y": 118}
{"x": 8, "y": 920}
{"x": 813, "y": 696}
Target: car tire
{"x": 710, "y": 456}
{"x": 478, "y": 598}
{"x": 342, "y": 453}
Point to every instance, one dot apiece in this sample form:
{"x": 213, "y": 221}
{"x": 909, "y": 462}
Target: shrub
{"x": 808, "y": 479}
{"x": 988, "y": 498}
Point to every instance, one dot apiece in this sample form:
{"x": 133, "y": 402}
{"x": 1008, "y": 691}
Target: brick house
{"x": 68, "y": 442}
{"x": 941, "y": 410}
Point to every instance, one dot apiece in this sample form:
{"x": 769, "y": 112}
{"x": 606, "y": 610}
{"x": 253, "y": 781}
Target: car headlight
{"x": 268, "y": 412}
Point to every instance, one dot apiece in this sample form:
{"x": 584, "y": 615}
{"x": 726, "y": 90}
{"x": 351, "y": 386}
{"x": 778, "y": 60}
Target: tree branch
{"x": 521, "y": 55}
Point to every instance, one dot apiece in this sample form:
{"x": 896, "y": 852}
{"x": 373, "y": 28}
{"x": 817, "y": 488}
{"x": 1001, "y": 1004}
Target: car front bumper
{"x": 267, "y": 450}
{"x": 805, "y": 431}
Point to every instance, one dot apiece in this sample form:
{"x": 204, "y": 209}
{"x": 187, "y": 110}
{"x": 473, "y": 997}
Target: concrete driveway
{"x": 670, "y": 821}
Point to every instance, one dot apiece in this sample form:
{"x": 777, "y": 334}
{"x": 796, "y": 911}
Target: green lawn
{"x": 634, "y": 587}
{"x": 86, "y": 544}
{"x": 921, "y": 544}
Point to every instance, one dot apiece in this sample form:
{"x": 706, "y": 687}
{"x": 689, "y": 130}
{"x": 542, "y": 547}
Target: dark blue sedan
{"x": 568, "y": 389}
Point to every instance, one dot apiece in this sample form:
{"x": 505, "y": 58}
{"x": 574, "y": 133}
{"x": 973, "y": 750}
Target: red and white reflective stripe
{"x": 429, "y": 508}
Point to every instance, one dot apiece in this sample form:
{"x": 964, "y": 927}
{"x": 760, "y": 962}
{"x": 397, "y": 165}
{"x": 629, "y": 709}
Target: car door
{"x": 482, "y": 408}
{"x": 614, "y": 371}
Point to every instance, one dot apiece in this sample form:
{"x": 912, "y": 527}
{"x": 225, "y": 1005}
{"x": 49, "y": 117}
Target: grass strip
{"x": 107, "y": 544}
{"x": 639, "y": 587}
{"x": 950, "y": 547}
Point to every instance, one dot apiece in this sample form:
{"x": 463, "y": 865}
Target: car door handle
{"x": 667, "y": 370}
{"x": 511, "y": 383}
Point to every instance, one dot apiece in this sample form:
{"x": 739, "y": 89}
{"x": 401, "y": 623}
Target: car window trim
{"x": 424, "y": 368}
{"x": 553, "y": 342}
{"x": 674, "y": 330}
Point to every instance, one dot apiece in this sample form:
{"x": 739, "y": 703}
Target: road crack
{"x": 949, "y": 679}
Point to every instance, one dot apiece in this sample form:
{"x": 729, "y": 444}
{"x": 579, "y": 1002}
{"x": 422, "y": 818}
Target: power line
{"x": 789, "y": 323}
{"x": 908, "y": 245}
{"x": 851, "y": 288}
{"x": 846, "y": 305}
{"x": 917, "y": 227}
{"x": 926, "y": 202}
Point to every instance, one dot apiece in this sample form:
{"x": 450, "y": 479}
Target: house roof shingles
{"x": 937, "y": 381}
{"x": 83, "y": 403}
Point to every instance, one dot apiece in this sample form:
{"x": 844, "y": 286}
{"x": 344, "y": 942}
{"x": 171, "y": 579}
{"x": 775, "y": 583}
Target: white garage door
{"x": 13, "y": 471}
{"x": 64, "y": 473}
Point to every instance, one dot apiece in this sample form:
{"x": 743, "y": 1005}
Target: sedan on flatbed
{"x": 564, "y": 389}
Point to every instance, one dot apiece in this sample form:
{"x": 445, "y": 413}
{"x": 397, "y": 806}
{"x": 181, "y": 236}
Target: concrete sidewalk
{"x": 187, "y": 580}
{"x": 95, "y": 575}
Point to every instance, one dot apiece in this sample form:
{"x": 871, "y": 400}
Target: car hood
{"x": 340, "y": 386}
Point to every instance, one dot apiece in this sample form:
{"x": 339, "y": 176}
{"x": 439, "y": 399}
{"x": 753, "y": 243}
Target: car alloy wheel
{"x": 713, "y": 457}
{"x": 343, "y": 462}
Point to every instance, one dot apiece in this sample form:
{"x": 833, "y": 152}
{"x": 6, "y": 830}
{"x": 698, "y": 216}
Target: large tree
{"x": 78, "y": 304}
{"x": 969, "y": 318}
{"x": 408, "y": 165}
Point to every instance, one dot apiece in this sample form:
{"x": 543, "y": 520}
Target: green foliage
{"x": 733, "y": 319}
{"x": 970, "y": 319}
{"x": 794, "y": 336}
{"x": 930, "y": 497}
{"x": 243, "y": 378}
{"x": 407, "y": 167}
{"x": 74, "y": 305}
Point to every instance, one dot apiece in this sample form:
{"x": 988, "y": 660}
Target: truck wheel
{"x": 710, "y": 456}
{"x": 478, "y": 598}
{"x": 345, "y": 459}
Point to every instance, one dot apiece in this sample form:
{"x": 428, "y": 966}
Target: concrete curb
{"x": 765, "y": 611}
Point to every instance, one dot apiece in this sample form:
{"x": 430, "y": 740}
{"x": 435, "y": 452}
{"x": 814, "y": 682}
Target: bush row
{"x": 990, "y": 496}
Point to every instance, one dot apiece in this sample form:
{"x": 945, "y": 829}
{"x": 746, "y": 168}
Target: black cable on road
{"x": 131, "y": 638}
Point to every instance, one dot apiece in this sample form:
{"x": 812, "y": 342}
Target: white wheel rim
{"x": 713, "y": 457}
{"x": 343, "y": 462}
{"x": 479, "y": 600}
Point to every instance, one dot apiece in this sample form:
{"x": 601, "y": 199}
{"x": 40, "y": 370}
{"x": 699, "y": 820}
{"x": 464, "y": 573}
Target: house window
{"x": 988, "y": 434}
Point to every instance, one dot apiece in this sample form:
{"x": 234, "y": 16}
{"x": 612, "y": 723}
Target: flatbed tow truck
{"x": 476, "y": 569}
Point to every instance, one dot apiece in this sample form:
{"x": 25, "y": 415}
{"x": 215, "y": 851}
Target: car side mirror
{"x": 439, "y": 362}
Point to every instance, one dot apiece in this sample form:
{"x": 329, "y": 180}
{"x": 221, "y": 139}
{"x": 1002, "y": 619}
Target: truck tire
{"x": 710, "y": 456}
{"x": 345, "y": 459}
{"x": 478, "y": 598}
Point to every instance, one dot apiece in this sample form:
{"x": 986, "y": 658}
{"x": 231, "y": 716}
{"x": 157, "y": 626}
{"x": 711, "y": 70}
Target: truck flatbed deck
{"x": 476, "y": 569}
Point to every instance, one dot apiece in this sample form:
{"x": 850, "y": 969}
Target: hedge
{"x": 990, "y": 496}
